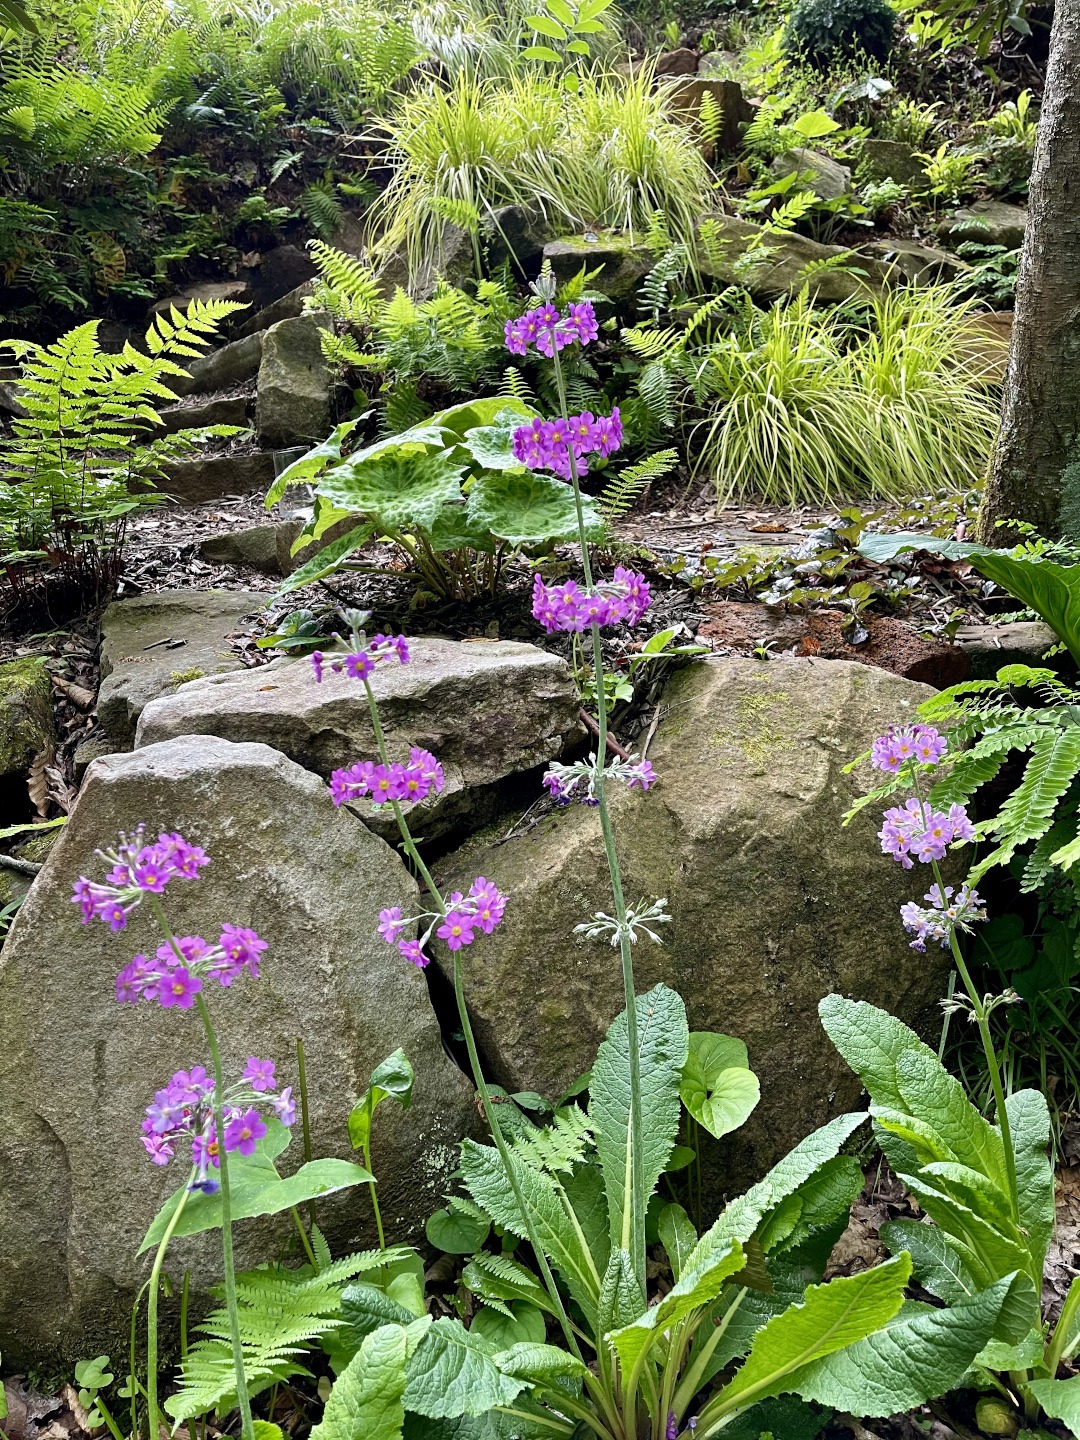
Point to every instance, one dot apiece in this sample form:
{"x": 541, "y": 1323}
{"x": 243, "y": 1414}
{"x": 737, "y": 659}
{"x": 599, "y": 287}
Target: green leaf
{"x": 718, "y": 1087}
{"x": 823, "y": 1198}
{"x": 783, "y": 1415}
{"x": 551, "y": 28}
{"x": 662, "y": 1047}
{"x": 697, "y": 1286}
{"x": 364, "y": 1309}
{"x": 939, "y": 1264}
{"x": 498, "y": 1278}
{"x": 999, "y": 1355}
{"x": 883, "y": 548}
{"x": 452, "y": 531}
{"x": 831, "y": 1317}
{"x": 453, "y": 1373}
{"x": 541, "y": 52}
{"x": 1060, "y": 1399}
{"x": 620, "y": 1297}
{"x": 997, "y": 1253}
{"x": 912, "y": 1358}
{"x": 541, "y": 1364}
{"x": 680, "y": 1157}
{"x": 491, "y": 446}
{"x": 579, "y": 47}
{"x": 366, "y": 1402}
{"x": 393, "y": 490}
{"x": 592, "y": 8}
{"x": 677, "y": 1235}
{"x": 256, "y": 1188}
{"x": 561, "y": 10}
{"x": 455, "y": 422}
{"x": 528, "y": 508}
{"x": 486, "y": 1181}
{"x": 814, "y": 125}
{"x": 9, "y": 830}
{"x": 456, "y": 1234}
{"x": 329, "y": 559}
{"x": 525, "y": 1325}
{"x": 392, "y": 1079}
{"x": 1051, "y": 590}
{"x": 311, "y": 465}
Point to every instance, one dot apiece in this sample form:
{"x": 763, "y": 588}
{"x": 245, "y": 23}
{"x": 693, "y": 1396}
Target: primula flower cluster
{"x": 915, "y": 829}
{"x": 175, "y": 975}
{"x": 137, "y": 870}
{"x": 384, "y": 783}
{"x": 549, "y": 330}
{"x": 359, "y": 664}
{"x": 921, "y": 744}
{"x": 564, "y": 780}
{"x": 184, "y": 1109}
{"x": 945, "y": 915}
{"x": 567, "y": 607}
{"x": 481, "y": 909}
{"x": 548, "y": 444}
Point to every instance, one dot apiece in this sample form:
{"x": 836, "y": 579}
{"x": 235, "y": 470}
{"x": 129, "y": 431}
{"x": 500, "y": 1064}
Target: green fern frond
{"x": 322, "y": 210}
{"x": 514, "y": 386}
{"x": 558, "y": 1146}
{"x": 1029, "y": 811}
{"x": 404, "y": 409}
{"x": 623, "y": 491}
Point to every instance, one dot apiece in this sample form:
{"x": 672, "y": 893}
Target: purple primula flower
{"x": 285, "y": 1106}
{"x": 391, "y": 924}
{"x": 242, "y": 1132}
{"x": 489, "y": 904}
{"x": 137, "y": 870}
{"x": 566, "y": 607}
{"x": 193, "y": 948}
{"x": 260, "y": 1073}
{"x": 179, "y": 987}
{"x": 580, "y": 322}
{"x": 412, "y": 782}
{"x": 158, "y": 1148}
{"x": 672, "y": 1431}
{"x": 242, "y": 948}
{"x": 318, "y": 660}
{"x": 456, "y": 929}
{"x": 898, "y": 747}
{"x": 945, "y": 915}
{"x": 359, "y": 667}
{"x": 414, "y": 951}
{"x": 609, "y": 432}
{"x": 642, "y": 774}
{"x": 359, "y": 663}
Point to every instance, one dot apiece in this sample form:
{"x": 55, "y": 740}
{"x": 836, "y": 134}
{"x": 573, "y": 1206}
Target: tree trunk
{"x": 1035, "y": 469}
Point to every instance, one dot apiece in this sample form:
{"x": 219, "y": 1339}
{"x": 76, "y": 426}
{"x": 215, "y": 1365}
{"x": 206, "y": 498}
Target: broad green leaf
{"x": 910, "y": 1359}
{"x": 620, "y": 1297}
{"x": 680, "y": 1157}
{"x": 1029, "y": 1121}
{"x": 366, "y": 1401}
{"x": 883, "y": 548}
{"x": 1060, "y": 1399}
{"x": 329, "y": 559}
{"x": 815, "y": 124}
{"x": 831, "y": 1317}
{"x": 529, "y": 508}
{"x": 998, "y": 1254}
{"x": 454, "y": 423}
{"x": 999, "y": 1355}
{"x": 256, "y": 1188}
{"x": 580, "y": 47}
{"x": 561, "y": 10}
{"x": 525, "y": 1325}
{"x": 452, "y": 531}
{"x": 364, "y": 1309}
{"x": 9, "y": 830}
{"x": 871, "y": 1041}
{"x": 486, "y": 1181}
{"x": 939, "y": 1100}
{"x": 551, "y": 28}
{"x": 976, "y": 1192}
{"x": 592, "y": 8}
{"x": 784, "y": 1416}
{"x": 677, "y": 1235}
{"x": 452, "y": 1373}
{"x": 940, "y": 1264}
{"x": 662, "y": 1045}
{"x": 455, "y": 1233}
{"x": 584, "y": 1189}
{"x": 523, "y": 1420}
{"x": 311, "y": 465}
{"x": 718, "y": 1087}
{"x": 392, "y": 490}
{"x": 1051, "y": 590}
{"x": 392, "y": 1079}
{"x": 530, "y": 1360}
{"x": 491, "y": 446}
{"x": 820, "y": 1200}
{"x": 697, "y": 1287}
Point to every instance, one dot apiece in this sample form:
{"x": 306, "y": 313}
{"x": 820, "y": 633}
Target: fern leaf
{"x": 1028, "y": 812}
{"x": 623, "y": 491}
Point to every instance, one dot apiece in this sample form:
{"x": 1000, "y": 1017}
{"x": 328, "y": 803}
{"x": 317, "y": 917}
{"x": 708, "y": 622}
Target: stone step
{"x": 287, "y": 308}
{"x": 231, "y": 365}
{"x": 211, "y": 477}
{"x": 232, "y": 410}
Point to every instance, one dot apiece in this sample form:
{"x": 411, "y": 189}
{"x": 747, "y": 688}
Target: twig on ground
{"x": 24, "y": 867}
{"x": 612, "y": 744}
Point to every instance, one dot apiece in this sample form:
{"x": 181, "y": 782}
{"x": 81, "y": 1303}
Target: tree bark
{"x": 1035, "y": 470}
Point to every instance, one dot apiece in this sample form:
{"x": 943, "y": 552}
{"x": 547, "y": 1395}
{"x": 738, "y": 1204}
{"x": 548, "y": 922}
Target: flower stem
{"x": 367, "y": 1166}
{"x": 152, "y": 1314}
{"x": 409, "y": 845}
{"x": 305, "y": 1116}
{"x": 637, "y": 1140}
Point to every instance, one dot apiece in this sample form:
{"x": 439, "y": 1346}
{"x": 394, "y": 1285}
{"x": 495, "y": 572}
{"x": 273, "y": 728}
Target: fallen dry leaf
{"x": 38, "y": 782}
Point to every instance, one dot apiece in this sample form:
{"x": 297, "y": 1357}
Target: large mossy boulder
{"x": 26, "y": 725}
{"x": 773, "y": 902}
{"x": 77, "y": 1190}
{"x": 782, "y": 267}
{"x": 293, "y": 402}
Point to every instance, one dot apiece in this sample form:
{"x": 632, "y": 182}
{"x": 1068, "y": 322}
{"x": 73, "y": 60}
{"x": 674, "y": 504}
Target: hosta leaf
{"x": 529, "y": 508}
{"x": 718, "y": 1087}
{"x": 330, "y": 558}
{"x": 394, "y": 490}
{"x": 830, "y": 1317}
{"x": 453, "y": 1373}
{"x": 452, "y": 530}
{"x": 1052, "y": 590}
{"x": 662, "y": 1047}
{"x": 366, "y": 1401}
{"x": 915, "y": 1356}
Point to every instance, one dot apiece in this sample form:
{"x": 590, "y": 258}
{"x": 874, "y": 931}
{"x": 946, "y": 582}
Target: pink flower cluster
{"x": 549, "y": 331}
{"x": 548, "y": 444}
{"x": 360, "y": 664}
{"x": 944, "y": 916}
{"x": 566, "y": 607}
{"x": 913, "y": 829}
{"x": 384, "y": 783}
{"x": 921, "y": 744}
{"x": 138, "y": 870}
{"x": 184, "y": 1109}
{"x": 174, "y": 979}
{"x": 481, "y": 909}
{"x": 563, "y": 780}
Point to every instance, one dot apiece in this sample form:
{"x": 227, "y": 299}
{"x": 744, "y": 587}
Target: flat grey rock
{"x": 133, "y": 675}
{"x": 256, "y": 546}
{"x": 232, "y": 411}
{"x": 487, "y": 711}
{"x": 1024, "y": 642}
{"x": 988, "y": 222}
{"x": 77, "y": 1190}
{"x": 211, "y": 477}
{"x": 229, "y": 365}
{"x": 827, "y": 178}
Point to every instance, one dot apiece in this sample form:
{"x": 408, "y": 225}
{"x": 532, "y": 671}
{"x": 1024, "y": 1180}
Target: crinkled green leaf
{"x": 939, "y": 1263}
{"x": 329, "y": 559}
{"x": 677, "y": 1235}
{"x": 538, "y": 1363}
{"x": 939, "y": 1100}
{"x": 662, "y": 1047}
{"x": 394, "y": 491}
{"x": 999, "y": 1355}
{"x": 697, "y": 1287}
{"x": 921, "y": 1353}
{"x": 831, "y": 1317}
{"x": 1029, "y": 1121}
{"x": 529, "y": 508}
{"x": 452, "y": 1373}
{"x": 1060, "y": 1399}
{"x": 492, "y": 446}
{"x": 311, "y": 465}
{"x": 818, "y": 1201}
{"x": 883, "y": 548}
{"x": 620, "y": 1298}
{"x": 998, "y": 1254}
{"x": 718, "y": 1087}
{"x": 455, "y": 422}
{"x": 524, "y": 1325}
{"x": 452, "y": 530}
{"x": 366, "y": 1402}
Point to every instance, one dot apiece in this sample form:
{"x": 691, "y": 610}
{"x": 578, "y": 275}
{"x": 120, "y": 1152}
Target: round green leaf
{"x": 717, "y": 1088}
{"x": 528, "y": 508}
{"x": 395, "y": 491}
{"x": 527, "y": 1325}
{"x": 455, "y": 1233}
